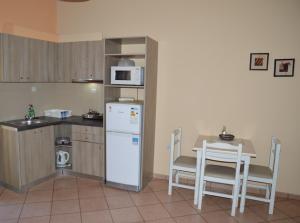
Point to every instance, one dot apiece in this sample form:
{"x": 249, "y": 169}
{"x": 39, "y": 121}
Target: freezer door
{"x": 123, "y": 118}
{"x": 123, "y": 158}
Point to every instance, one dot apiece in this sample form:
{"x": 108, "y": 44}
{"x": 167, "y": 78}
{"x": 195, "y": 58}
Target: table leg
{"x": 244, "y": 186}
{"x": 197, "y": 180}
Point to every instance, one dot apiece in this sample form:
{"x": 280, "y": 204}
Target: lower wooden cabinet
{"x": 88, "y": 158}
{"x": 26, "y": 156}
{"x": 37, "y": 154}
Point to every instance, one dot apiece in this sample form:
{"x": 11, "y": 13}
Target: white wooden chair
{"x": 223, "y": 153}
{"x": 181, "y": 166}
{"x": 266, "y": 175}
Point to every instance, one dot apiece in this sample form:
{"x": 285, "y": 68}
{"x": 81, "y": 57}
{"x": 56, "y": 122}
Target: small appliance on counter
{"x": 62, "y": 158}
{"x": 62, "y": 141}
{"x": 92, "y": 115}
{"x": 58, "y": 113}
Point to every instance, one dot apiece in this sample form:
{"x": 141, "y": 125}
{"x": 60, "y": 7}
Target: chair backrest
{"x": 274, "y": 155}
{"x": 175, "y": 146}
{"x": 222, "y": 152}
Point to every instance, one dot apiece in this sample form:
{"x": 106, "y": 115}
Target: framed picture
{"x": 284, "y": 67}
{"x": 259, "y": 61}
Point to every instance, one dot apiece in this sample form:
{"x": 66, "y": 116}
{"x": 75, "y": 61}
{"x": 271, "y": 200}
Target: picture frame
{"x": 284, "y": 67}
{"x": 259, "y": 61}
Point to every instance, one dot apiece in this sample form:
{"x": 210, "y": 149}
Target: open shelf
{"x": 127, "y": 55}
{"x": 124, "y": 86}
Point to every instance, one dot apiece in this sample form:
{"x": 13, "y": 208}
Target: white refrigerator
{"x": 123, "y": 145}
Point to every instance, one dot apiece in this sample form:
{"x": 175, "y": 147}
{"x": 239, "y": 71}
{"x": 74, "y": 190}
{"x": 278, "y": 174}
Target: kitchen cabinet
{"x": 88, "y": 158}
{"x": 64, "y": 73}
{"x": 37, "y": 154}
{"x": 80, "y": 61}
{"x": 15, "y": 58}
{"x": 26, "y": 156}
{"x": 87, "y": 60}
{"x": 26, "y": 60}
{"x": 88, "y": 150}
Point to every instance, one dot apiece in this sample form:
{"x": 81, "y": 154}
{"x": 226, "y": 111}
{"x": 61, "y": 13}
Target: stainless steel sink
{"x": 28, "y": 122}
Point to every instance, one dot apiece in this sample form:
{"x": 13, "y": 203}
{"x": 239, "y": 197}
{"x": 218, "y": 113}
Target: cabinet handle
{"x": 21, "y": 78}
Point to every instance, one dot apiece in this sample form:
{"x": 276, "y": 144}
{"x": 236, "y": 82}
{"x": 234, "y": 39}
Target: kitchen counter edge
{"x": 73, "y": 120}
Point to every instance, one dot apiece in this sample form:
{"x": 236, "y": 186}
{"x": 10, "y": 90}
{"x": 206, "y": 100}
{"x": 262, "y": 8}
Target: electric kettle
{"x": 62, "y": 157}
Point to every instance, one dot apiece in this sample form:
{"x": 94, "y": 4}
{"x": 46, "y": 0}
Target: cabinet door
{"x": 52, "y": 66}
{"x": 87, "y": 60}
{"x": 15, "y": 50}
{"x": 47, "y": 159}
{"x": 1, "y": 58}
{"x": 80, "y": 61}
{"x": 36, "y": 154}
{"x": 37, "y": 61}
{"x": 95, "y": 59}
{"x": 87, "y": 158}
{"x": 64, "y": 63}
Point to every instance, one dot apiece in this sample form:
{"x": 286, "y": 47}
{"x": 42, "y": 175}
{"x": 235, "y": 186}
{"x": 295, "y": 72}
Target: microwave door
{"x": 123, "y": 75}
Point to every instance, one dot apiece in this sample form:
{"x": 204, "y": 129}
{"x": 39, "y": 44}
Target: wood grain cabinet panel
{"x": 15, "y": 60}
{"x": 87, "y": 60}
{"x": 88, "y": 158}
{"x": 64, "y": 73}
{"x": 37, "y": 154}
{"x": 9, "y": 156}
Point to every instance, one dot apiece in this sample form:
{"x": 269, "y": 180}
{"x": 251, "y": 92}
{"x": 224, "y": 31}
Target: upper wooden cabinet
{"x": 81, "y": 60}
{"x": 31, "y": 60}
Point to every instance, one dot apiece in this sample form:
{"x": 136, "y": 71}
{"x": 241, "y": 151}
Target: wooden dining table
{"x": 248, "y": 152}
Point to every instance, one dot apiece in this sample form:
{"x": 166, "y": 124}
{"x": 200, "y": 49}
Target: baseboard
{"x": 279, "y": 194}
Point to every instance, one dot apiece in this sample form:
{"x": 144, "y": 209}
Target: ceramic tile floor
{"x": 74, "y": 200}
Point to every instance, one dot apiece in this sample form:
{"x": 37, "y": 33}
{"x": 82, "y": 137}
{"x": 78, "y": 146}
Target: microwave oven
{"x": 127, "y": 75}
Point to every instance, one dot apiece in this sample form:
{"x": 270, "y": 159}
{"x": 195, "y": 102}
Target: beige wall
{"x": 31, "y": 18}
{"x": 204, "y": 80}
{"x": 14, "y": 98}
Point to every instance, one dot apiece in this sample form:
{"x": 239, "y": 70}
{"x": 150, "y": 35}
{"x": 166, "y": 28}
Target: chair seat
{"x": 260, "y": 172}
{"x": 222, "y": 172}
{"x": 186, "y": 161}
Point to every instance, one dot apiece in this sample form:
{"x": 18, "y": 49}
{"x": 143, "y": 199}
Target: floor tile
{"x": 158, "y": 185}
{"x": 65, "y": 184}
{"x": 91, "y": 192}
{"x": 66, "y": 218}
{"x": 36, "y": 210}
{"x": 262, "y": 211}
{"x": 86, "y": 182}
{"x": 153, "y": 212}
{"x": 97, "y": 217}
{"x": 39, "y": 196}
{"x": 165, "y": 198}
{"x": 289, "y": 220}
{"x": 218, "y": 216}
{"x": 208, "y": 205}
{"x": 190, "y": 219}
{"x": 165, "y": 220}
{"x": 247, "y": 217}
{"x": 185, "y": 193}
{"x": 141, "y": 199}
{"x": 65, "y": 207}
{"x": 10, "y": 211}
{"x": 109, "y": 192}
{"x": 126, "y": 215}
{"x": 43, "y": 219}
{"x": 122, "y": 201}
{"x": 15, "y": 220}
{"x": 297, "y": 219}
{"x": 289, "y": 208}
{"x": 93, "y": 204}
{"x": 47, "y": 185}
{"x": 65, "y": 194}
{"x": 10, "y": 197}
{"x": 180, "y": 208}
